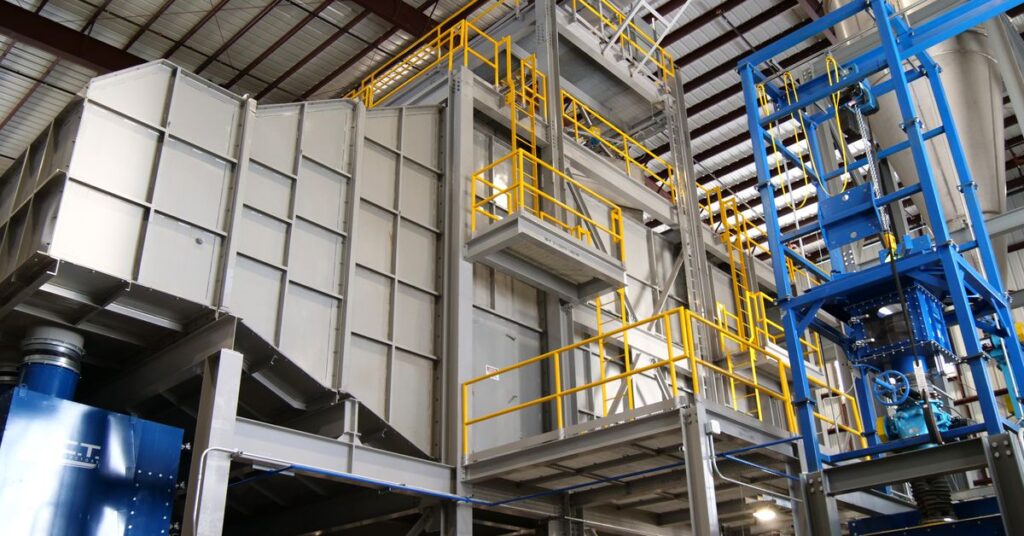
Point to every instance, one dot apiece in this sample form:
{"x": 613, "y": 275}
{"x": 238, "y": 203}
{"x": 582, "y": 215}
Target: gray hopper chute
{"x": 973, "y": 85}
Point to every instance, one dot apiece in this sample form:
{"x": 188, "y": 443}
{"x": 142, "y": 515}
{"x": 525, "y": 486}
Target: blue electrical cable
{"x": 556, "y": 491}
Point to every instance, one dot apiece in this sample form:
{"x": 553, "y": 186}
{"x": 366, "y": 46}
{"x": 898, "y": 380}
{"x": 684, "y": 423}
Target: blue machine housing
{"x": 849, "y": 217}
{"x": 73, "y": 470}
{"x": 977, "y": 518}
{"x": 909, "y": 421}
{"x": 928, "y": 325}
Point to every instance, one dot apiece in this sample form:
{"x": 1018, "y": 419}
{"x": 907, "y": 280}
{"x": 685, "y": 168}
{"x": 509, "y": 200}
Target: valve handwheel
{"x": 891, "y": 387}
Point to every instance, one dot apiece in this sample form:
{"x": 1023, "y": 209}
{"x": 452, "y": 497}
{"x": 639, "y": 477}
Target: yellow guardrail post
{"x": 472, "y": 203}
{"x": 788, "y": 404}
{"x": 601, "y": 358}
{"x": 627, "y": 357}
{"x": 667, "y": 323}
{"x": 686, "y": 320}
{"x": 558, "y": 391}
{"x": 465, "y": 419}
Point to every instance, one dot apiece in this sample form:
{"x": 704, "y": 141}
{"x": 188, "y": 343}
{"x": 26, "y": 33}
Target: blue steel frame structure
{"x": 974, "y": 294}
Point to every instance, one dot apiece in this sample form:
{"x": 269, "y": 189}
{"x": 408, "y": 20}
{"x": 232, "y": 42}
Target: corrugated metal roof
{"x": 122, "y": 19}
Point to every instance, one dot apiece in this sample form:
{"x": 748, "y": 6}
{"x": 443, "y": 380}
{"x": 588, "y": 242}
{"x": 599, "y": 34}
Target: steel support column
{"x": 822, "y": 511}
{"x": 558, "y": 318}
{"x": 457, "y": 367}
{"x": 798, "y": 505}
{"x": 693, "y": 260}
{"x": 206, "y": 499}
{"x": 1006, "y": 465}
{"x": 700, "y": 479}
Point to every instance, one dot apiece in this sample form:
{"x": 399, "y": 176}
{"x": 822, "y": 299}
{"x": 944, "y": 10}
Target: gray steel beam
{"x": 558, "y": 319}
{"x": 1006, "y": 465}
{"x": 260, "y": 442}
{"x": 955, "y": 457}
{"x": 168, "y": 367}
{"x": 583, "y": 39}
{"x": 457, "y": 346}
{"x": 997, "y": 225}
{"x": 873, "y": 503}
{"x": 699, "y": 291}
{"x": 401, "y": 15}
{"x": 822, "y": 511}
{"x": 312, "y": 517}
{"x": 796, "y": 494}
{"x": 206, "y": 498}
{"x": 700, "y": 479}
{"x": 543, "y": 452}
{"x": 40, "y": 32}
{"x": 604, "y": 176}
{"x": 725, "y": 509}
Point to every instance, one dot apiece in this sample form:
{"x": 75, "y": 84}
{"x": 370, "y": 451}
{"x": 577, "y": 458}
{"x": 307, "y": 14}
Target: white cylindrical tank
{"x": 971, "y": 78}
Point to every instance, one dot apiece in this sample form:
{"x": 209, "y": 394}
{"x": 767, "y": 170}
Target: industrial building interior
{"x": 511, "y": 267}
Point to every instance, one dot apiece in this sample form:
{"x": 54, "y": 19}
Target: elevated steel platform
{"x": 636, "y": 463}
{"x": 546, "y": 257}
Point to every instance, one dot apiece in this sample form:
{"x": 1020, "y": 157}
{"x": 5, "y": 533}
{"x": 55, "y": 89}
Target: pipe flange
{"x": 50, "y": 340}
{"x": 70, "y": 363}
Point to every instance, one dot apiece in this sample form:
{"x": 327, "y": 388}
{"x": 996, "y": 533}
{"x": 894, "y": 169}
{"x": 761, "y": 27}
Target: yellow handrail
{"x": 634, "y": 39}
{"x": 485, "y": 193}
{"x": 575, "y": 112}
{"x": 686, "y": 322}
{"x": 443, "y": 45}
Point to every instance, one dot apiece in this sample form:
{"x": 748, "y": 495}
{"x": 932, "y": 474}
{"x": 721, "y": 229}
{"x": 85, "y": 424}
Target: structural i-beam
{"x": 66, "y": 43}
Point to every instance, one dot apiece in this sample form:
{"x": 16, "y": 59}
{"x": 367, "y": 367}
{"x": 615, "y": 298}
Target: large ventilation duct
{"x": 971, "y": 79}
{"x": 52, "y": 361}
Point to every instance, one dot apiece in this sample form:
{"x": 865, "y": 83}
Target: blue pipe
{"x": 54, "y": 380}
{"x": 768, "y": 470}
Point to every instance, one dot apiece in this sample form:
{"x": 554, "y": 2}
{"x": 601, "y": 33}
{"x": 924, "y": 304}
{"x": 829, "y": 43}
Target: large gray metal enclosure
{"x": 166, "y": 199}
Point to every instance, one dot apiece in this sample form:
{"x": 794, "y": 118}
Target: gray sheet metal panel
{"x": 159, "y": 178}
{"x": 507, "y": 328}
{"x": 294, "y": 229}
{"x": 174, "y": 137}
{"x": 395, "y": 295}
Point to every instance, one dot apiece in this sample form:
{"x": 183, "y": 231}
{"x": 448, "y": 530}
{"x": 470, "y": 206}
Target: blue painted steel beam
{"x": 806, "y": 263}
{"x": 883, "y": 154}
{"x": 858, "y": 281}
{"x": 900, "y": 444}
{"x": 806, "y": 230}
{"x": 813, "y": 29}
{"x": 918, "y": 40}
{"x": 902, "y": 193}
{"x": 791, "y": 156}
{"x": 959, "y": 280}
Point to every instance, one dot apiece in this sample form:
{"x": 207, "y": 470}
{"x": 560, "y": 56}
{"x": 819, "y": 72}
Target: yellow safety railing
{"x": 443, "y": 46}
{"x": 634, "y": 41}
{"x": 493, "y": 200}
{"x": 680, "y": 357}
{"x": 588, "y": 126}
